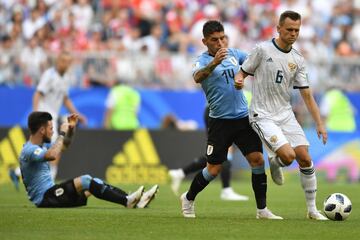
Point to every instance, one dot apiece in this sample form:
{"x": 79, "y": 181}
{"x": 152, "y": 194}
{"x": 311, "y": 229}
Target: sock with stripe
{"x": 309, "y": 185}
{"x": 201, "y": 180}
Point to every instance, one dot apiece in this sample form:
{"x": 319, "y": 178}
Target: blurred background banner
{"x": 16, "y": 104}
{"x": 187, "y": 105}
{"x": 144, "y": 156}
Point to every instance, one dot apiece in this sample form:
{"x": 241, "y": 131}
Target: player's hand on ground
{"x": 239, "y": 81}
{"x": 322, "y": 133}
{"x": 220, "y": 55}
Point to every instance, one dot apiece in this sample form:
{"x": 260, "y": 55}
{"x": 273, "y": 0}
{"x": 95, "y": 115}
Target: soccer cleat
{"x": 187, "y": 206}
{"x": 134, "y": 198}
{"x": 316, "y": 216}
{"x": 266, "y": 214}
{"x": 228, "y": 194}
{"x": 276, "y": 172}
{"x": 14, "y": 178}
{"x": 176, "y": 175}
{"x": 147, "y": 197}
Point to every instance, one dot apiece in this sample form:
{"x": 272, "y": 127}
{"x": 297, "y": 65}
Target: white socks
{"x": 308, "y": 183}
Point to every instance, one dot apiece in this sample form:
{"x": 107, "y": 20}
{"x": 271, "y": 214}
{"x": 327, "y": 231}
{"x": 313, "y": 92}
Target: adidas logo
{"x": 269, "y": 60}
{"x": 138, "y": 162}
{"x": 10, "y": 149}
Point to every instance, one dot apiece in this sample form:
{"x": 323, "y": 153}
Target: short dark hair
{"x": 38, "y": 119}
{"x": 212, "y": 26}
{"x": 289, "y": 14}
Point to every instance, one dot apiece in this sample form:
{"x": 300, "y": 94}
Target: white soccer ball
{"x": 337, "y": 207}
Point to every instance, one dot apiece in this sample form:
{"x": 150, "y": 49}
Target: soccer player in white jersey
{"x": 52, "y": 92}
{"x": 276, "y": 67}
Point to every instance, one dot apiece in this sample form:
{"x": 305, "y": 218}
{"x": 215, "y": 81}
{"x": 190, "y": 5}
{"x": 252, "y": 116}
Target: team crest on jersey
{"x": 37, "y": 151}
{"x": 292, "y": 67}
{"x": 273, "y": 139}
{"x": 59, "y": 192}
{"x": 209, "y": 149}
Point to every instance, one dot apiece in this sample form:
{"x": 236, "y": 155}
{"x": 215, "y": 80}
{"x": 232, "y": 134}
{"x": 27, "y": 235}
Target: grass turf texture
{"x": 216, "y": 219}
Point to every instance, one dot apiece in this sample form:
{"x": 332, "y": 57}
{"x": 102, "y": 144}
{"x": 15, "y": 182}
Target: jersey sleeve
{"x": 44, "y": 84}
{"x": 252, "y": 61}
{"x": 36, "y": 154}
{"x": 301, "y": 77}
{"x": 198, "y": 65}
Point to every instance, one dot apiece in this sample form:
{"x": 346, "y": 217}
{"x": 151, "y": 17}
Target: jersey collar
{"x": 280, "y": 49}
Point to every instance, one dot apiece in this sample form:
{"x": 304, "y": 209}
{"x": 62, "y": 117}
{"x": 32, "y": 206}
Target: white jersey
{"x": 275, "y": 72}
{"x": 54, "y": 88}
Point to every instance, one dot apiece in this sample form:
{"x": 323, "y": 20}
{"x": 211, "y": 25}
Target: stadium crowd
{"x": 149, "y": 43}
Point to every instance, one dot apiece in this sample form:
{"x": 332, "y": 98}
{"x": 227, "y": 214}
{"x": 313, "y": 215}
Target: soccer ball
{"x": 337, "y": 207}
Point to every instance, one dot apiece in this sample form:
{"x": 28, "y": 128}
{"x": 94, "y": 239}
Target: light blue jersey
{"x": 35, "y": 171}
{"x": 225, "y": 102}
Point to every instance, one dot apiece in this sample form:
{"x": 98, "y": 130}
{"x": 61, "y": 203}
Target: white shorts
{"x": 276, "y": 133}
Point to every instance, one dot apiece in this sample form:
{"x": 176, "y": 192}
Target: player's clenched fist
{"x": 239, "y": 81}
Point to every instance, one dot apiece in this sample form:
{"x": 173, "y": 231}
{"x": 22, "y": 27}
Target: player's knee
{"x": 288, "y": 157}
{"x": 85, "y": 181}
{"x": 305, "y": 162}
{"x": 255, "y": 159}
{"x": 214, "y": 170}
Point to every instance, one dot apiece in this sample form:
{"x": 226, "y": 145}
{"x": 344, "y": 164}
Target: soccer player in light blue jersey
{"x": 228, "y": 123}
{"x": 43, "y": 192}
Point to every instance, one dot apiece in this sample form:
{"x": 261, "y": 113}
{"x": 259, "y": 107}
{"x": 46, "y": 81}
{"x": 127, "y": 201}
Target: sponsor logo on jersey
{"x": 292, "y": 67}
{"x": 273, "y": 139}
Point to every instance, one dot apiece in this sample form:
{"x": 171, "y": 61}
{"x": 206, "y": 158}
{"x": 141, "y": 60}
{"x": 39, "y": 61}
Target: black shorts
{"x": 63, "y": 195}
{"x": 222, "y": 133}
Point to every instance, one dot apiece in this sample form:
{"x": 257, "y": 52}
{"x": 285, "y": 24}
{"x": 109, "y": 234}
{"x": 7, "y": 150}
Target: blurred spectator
{"x": 7, "y": 61}
{"x": 33, "y": 61}
{"x": 83, "y": 14}
{"x": 32, "y": 24}
{"x": 122, "y": 106}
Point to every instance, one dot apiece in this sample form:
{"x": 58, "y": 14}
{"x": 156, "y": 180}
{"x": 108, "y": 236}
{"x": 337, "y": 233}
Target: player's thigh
{"x": 270, "y": 134}
{"x": 63, "y": 195}
{"x": 249, "y": 144}
{"x": 219, "y": 140}
{"x": 294, "y": 132}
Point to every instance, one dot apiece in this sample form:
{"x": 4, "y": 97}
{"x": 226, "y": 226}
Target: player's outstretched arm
{"x": 315, "y": 113}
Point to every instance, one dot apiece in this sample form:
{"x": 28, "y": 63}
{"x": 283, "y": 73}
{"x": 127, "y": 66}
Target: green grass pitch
{"x": 216, "y": 219}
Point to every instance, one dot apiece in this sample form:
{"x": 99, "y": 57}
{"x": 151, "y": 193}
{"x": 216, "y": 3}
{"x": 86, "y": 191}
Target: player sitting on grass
{"x": 41, "y": 189}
